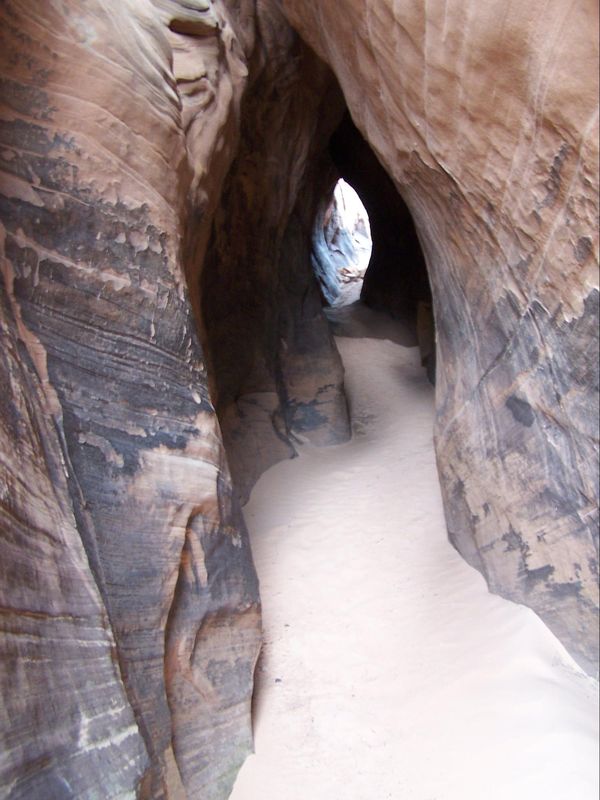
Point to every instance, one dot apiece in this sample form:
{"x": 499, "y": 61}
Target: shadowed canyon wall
{"x": 278, "y": 376}
{"x": 396, "y": 280}
{"x": 162, "y": 164}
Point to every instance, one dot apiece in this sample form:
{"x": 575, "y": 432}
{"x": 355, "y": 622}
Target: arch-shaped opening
{"x": 278, "y": 378}
{"x": 341, "y": 245}
{"x": 396, "y": 280}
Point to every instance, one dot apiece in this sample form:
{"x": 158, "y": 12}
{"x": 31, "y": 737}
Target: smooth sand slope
{"x": 388, "y": 670}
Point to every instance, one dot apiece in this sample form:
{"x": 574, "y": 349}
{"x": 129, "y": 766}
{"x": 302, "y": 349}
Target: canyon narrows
{"x": 388, "y": 670}
{"x": 162, "y": 164}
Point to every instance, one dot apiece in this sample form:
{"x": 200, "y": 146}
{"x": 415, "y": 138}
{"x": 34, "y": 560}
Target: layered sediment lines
{"x": 161, "y": 166}
{"x": 130, "y": 608}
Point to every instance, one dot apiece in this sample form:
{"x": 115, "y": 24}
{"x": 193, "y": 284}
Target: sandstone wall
{"x": 486, "y": 116}
{"x": 130, "y": 610}
{"x": 277, "y": 373}
{"x": 129, "y": 604}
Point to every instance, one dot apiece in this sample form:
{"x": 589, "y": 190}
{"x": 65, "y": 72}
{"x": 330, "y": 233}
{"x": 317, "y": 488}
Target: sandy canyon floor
{"x": 388, "y": 670}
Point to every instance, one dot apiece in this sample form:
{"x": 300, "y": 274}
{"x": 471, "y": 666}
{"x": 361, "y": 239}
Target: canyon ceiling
{"x": 162, "y": 165}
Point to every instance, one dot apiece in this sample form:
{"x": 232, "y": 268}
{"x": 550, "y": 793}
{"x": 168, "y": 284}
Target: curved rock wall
{"x": 130, "y": 611}
{"x": 129, "y": 604}
{"x": 396, "y": 280}
{"x": 277, "y": 373}
{"x": 486, "y": 117}
{"x": 65, "y": 720}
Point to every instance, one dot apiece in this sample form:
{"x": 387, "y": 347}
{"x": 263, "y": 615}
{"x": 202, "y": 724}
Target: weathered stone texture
{"x": 127, "y": 459}
{"x": 277, "y": 373}
{"x": 65, "y": 722}
{"x": 151, "y": 146}
{"x": 487, "y": 120}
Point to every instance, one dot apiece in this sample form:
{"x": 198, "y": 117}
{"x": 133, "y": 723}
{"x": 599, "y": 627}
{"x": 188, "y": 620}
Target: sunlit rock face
{"x": 130, "y": 614}
{"x": 341, "y": 245}
{"x": 486, "y": 118}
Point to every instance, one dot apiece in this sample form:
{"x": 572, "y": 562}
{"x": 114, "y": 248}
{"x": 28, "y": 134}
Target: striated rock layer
{"x": 486, "y": 117}
{"x": 130, "y": 611}
{"x": 161, "y": 166}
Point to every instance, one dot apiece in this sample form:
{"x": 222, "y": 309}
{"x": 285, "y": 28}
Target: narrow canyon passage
{"x": 388, "y": 670}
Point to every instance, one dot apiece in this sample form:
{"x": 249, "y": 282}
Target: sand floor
{"x": 388, "y": 670}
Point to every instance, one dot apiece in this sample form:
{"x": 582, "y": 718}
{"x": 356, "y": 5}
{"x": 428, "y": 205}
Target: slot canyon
{"x": 166, "y": 171}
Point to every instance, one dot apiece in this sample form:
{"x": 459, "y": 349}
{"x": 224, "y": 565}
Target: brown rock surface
{"x": 147, "y": 146}
{"x": 65, "y": 722}
{"x": 277, "y": 373}
{"x": 117, "y": 512}
{"x": 486, "y": 117}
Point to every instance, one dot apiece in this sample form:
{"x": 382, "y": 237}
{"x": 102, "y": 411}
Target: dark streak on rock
{"x": 554, "y": 180}
{"x": 583, "y": 249}
{"x": 306, "y": 417}
{"x": 29, "y": 100}
{"x": 514, "y": 541}
{"x": 572, "y": 589}
{"x": 521, "y": 410}
{"x": 538, "y": 575}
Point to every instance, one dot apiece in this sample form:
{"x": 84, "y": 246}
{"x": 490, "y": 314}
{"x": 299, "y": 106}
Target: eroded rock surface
{"x": 130, "y": 602}
{"x": 65, "y": 720}
{"x": 162, "y": 163}
{"x": 277, "y": 373}
{"x": 487, "y": 121}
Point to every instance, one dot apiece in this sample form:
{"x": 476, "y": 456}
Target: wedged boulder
{"x": 488, "y": 125}
{"x": 341, "y": 245}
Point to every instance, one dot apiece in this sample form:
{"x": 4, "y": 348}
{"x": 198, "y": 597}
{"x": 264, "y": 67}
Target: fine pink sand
{"x": 388, "y": 669}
